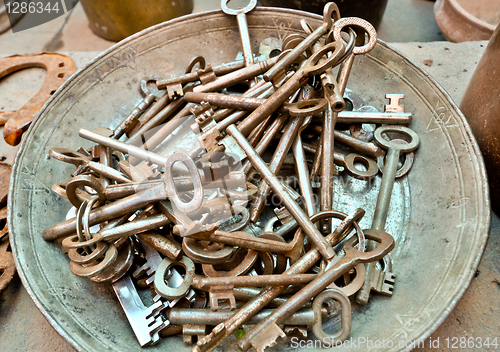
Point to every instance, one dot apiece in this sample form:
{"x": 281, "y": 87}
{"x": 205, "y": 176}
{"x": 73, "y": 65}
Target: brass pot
{"x": 481, "y": 107}
{"x": 117, "y": 19}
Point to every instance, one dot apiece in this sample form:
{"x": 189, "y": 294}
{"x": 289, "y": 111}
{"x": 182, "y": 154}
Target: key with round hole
{"x": 267, "y": 295}
{"x": 295, "y": 210}
{"x": 265, "y": 333}
{"x": 384, "y": 197}
{"x": 349, "y": 160}
{"x": 240, "y": 14}
{"x": 209, "y": 317}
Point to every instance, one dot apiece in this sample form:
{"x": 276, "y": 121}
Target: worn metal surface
{"x": 447, "y": 226}
{"x": 59, "y": 68}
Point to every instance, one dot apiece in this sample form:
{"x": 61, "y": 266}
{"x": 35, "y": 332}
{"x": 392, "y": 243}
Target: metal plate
{"x": 439, "y": 242}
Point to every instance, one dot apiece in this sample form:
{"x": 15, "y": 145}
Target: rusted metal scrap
{"x": 59, "y": 68}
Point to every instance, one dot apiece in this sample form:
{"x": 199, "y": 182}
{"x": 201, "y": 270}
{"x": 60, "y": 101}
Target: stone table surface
{"x": 477, "y": 314}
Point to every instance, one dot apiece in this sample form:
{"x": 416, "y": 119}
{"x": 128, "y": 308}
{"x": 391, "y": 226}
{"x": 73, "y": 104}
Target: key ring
{"x": 80, "y": 181}
{"x": 235, "y": 12}
{"x": 345, "y": 304}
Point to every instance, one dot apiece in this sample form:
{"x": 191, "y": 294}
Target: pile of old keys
{"x": 203, "y": 189}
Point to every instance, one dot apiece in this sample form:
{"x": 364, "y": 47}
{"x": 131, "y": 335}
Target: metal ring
{"x": 166, "y": 291}
{"x": 76, "y": 257}
{"x": 121, "y": 265}
{"x": 403, "y": 170}
{"x": 359, "y": 23}
{"x": 389, "y": 144}
{"x": 351, "y": 169}
{"x": 308, "y": 107}
{"x": 235, "y": 12}
{"x": 81, "y": 181}
{"x": 345, "y": 304}
{"x": 93, "y": 270}
{"x": 197, "y": 200}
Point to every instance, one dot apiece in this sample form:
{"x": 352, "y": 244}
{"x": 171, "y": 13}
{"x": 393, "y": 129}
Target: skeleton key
{"x": 133, "y": 118}
{"x": 384, "y": 196}
{"x": 324, "y": 248}
{"x": 145, "y": 321}
{"x": 311, "y": 67}
{"x": 118, "y": 232}
{"x": 306, "y": 262}
{"x": 265, "y": 333}
{"x": 243, "y": 26}
{"x": 237, "y": 76}
{"x": 221, "y": 288}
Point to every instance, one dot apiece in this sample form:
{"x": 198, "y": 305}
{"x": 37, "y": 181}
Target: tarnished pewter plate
{"x": 439, "y": 214}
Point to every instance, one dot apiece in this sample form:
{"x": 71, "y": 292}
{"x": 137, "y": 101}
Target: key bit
{"x": 394, "y": 103}
{"x": 204, "y": 117}
{"x": 383, "y": 282}
{"x": 220, "y": 293}
{"x": 174, "y": 90}
{"x": 267, "y": 338}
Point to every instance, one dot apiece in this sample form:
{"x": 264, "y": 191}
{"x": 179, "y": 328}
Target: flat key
{"x": 384, "y": 197}
{"x": 265, "y": 333}
{"x": 243, "y": 26}
{"x": 145, "y": 321}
